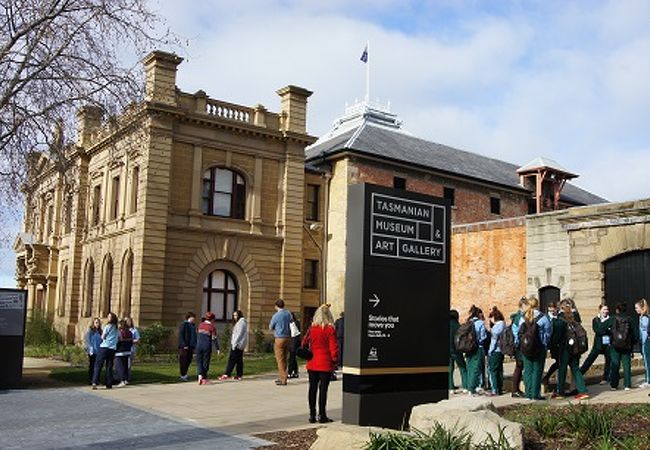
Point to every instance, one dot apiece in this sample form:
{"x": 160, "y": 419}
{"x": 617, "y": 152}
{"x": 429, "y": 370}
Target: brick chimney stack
{"x": 160, "y": 73}
{"x": 294, "y": 108}
{"x": 89, "y": 119}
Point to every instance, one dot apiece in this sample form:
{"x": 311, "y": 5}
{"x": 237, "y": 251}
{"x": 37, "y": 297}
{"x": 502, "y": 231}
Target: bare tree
{"x": 57, "y": 55}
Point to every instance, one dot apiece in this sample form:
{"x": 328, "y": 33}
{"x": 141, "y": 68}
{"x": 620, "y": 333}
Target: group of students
{"x": 478, "y": 343}
{"x": 203, "y": 339}
{"x": 114, "y": 343}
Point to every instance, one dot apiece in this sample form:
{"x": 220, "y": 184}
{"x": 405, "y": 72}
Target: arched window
{"x": 220, "y": 294}
{"x": 89, "y": 278}
{"x": 127, "y": 279}
{"x": 106, "y": 286}
{"x": 224, "y": 193}
{"x": 63, "y": 289}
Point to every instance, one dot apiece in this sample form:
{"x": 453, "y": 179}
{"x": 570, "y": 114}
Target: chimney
{"x": 89, "y": 119}
{"x": 160, "y": 74}
{"x": 294, "y": 108}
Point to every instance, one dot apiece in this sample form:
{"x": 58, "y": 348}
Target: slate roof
{"x": 375, "y": 140}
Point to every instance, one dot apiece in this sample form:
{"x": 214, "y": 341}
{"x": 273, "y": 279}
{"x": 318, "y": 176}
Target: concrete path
{"x": 73, "y": 418}
{"x": 254, "y": 405}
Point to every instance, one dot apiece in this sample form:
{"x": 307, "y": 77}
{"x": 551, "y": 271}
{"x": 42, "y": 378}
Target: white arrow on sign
{"x": 375, "y": 301}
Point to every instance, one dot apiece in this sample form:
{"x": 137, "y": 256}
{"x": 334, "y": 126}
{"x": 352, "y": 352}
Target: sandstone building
{"x": 185, "y": 202}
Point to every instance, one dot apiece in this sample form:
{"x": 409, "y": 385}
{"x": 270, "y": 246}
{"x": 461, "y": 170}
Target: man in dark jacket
{"x": 186, "y": 343}
{"x": 455, "y": 357}
{"x": 602, "y": 326}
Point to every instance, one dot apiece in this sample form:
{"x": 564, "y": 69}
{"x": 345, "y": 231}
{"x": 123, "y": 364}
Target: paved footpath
{"x": 182, "y": 415}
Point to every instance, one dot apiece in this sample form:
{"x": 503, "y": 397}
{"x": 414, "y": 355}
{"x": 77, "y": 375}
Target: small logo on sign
{"x": 372, "y": 354}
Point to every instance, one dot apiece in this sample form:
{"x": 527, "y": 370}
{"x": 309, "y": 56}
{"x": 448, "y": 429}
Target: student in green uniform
{"x": 602, "y": 326}
{"x": 475, "y": 359}
{"x": 534, "y": 362}
{"x": 621, "y": 354}
{"x": 515, "y": 318}
{"x": 552, "y": 313}
{"x": 565, "y": 356}
{"x": 455, "y": 358}
{"x": 497, "y": 326}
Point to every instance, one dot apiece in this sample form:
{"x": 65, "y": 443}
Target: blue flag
{"x": 364, "y": 55}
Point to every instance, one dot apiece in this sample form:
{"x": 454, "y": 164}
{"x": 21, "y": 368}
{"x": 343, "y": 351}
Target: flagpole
{"x": 368, "y": 74}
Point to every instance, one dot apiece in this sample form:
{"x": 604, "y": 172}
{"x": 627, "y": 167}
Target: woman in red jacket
{"x": 321, "y": 338}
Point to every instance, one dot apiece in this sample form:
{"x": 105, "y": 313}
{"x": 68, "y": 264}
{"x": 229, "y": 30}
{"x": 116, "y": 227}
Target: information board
{"x": 396, "y": 304}
{"x": 13, "y": 312}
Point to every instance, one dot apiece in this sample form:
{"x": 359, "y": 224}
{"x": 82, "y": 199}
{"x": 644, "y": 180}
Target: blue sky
{"x": 508, "y": 79}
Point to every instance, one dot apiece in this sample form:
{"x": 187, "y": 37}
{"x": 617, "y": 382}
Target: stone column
{"x": 294, "y": 108}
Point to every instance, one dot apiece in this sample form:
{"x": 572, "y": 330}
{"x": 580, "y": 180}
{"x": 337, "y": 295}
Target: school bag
{"x": 506, "y": 342}
{"x": 466, "y": 340}
{"x": 530, "y": 343}
{"x": 621, "y": 337}
{"x": 576, "y": 338}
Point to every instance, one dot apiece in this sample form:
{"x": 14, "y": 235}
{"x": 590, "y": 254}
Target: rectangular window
{"x": 135, "y": 184}
{"x": 68, "y": 214}
{"x": 50, "y": 219}
{"x": 450, "y": 194}
{"x": 399, "y": 183}
{"x": 532, "y": 205}
{"x": 313, "y": 196}
{"x": 115, "y": 197}
{"x": 495, "y": 205}
{"x": 97, "y": 193}
{"x": 310, "y": 268}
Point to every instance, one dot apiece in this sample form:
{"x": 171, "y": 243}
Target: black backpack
{"x": 530, "y": 343}
{"x": 576, "y": 338}
{"x": 506, "y": 342}
{"x": 466, "y": 340}
{"x": 621, "y": 337}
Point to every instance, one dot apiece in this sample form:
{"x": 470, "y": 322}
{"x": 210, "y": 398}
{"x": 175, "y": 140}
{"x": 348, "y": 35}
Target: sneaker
{"x": 613, "y": 389}
{"x": 223, "y": 377}
{"x": 94, "y": 387}
{"x": 122, "y": 384}
{"x": 603, "y": 382}
{"x": 627, "y": 388}
{"x": 280, "y": 383}
{"x": 200, "y": 380}
{"x": 644, "y": 385}
{"x": 557, "y": 396}
{"x": 583, "y": 396}
{"x": 517, "y": 394}
{"x": 184, "y": 378}
{"x": 237, "y": 378}
{"x": 479, "y": 391}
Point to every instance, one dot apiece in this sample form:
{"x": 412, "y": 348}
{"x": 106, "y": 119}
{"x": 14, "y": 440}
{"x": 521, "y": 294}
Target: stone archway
{"x": 229, "y": 254}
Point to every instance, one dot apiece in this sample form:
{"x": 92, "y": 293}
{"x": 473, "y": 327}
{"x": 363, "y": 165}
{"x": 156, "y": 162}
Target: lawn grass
{"x": 166, "y": 371}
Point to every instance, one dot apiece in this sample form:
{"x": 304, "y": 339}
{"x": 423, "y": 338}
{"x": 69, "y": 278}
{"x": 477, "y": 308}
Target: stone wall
{"x": 548, "y": 254}
{"x": 488, "y": 265}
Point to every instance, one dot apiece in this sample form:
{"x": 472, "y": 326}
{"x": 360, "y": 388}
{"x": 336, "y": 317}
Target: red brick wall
{"x": 488, "y": 266}
{"x": 472, "y": 200}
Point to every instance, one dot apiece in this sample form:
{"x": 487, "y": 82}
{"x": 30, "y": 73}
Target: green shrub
{"x": 224, "y": 339}
{"x": 40, "y": 331}
{"x": 154, "y": 339}
{"x": 590, "y": 422}
{"x": 258, "y": 334}
{"x": 74, "y": 354}
{"x": 547, "y": 423}
{"x": 438, "y": 438}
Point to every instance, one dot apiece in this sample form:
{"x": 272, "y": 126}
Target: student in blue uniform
{"x": 495, "y": 356}
{"x": 476, "y": 358}
{"x": 643, "y": 311}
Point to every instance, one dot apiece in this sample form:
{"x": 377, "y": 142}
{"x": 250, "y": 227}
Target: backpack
{"x": 506, "y": 342}
{"x": 621, "y": 338}
{"x": 576, "y": 338}
{"x": 530, "y": 343}
{"x": 466, "y": 340}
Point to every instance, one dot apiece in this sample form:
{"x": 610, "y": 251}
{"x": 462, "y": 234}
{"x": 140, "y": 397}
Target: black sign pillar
{"x": 396, "y": 305}
{"x": 13, "y": 310}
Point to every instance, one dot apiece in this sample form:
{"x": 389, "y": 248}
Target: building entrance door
{"x": 548, "y": 294}
{"x": 627, "y": 279}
